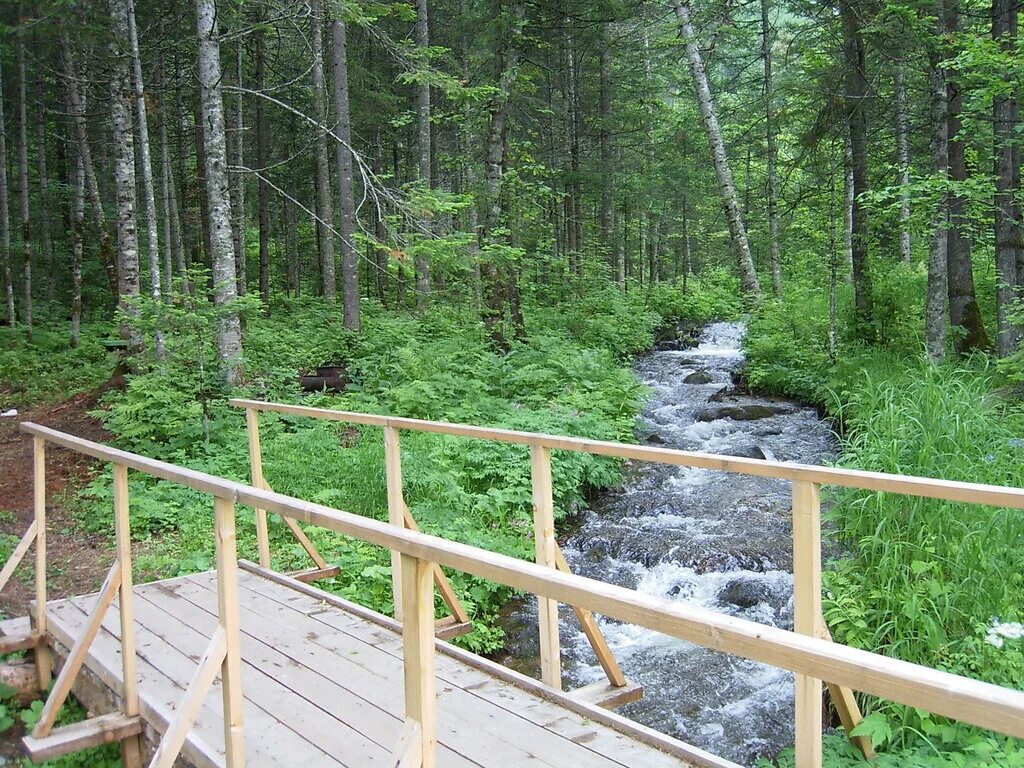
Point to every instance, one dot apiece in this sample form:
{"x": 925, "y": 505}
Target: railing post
{"x": 252, "y": 428}
{"x": 807, "y": 615}
{"x": 546, "y": 548}
{"x": 131, "y": 756}
{"x": 227, "y": 610}
{"x": 42, "y": 652}
{"x": 418, "y": 651}
{"x": 396, "y": 508}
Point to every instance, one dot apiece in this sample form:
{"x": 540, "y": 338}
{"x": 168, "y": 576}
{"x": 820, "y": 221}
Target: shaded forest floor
{"x": 77, "y": 561}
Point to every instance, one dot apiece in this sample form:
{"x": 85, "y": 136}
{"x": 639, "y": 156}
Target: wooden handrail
{"x": 950, "y": 490}
{"x": 971, "y": 701}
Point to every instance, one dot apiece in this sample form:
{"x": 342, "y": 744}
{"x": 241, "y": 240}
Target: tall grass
{"x": 925, "y": 578}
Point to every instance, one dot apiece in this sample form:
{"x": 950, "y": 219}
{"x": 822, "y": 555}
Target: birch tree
{"x": 324, "y": 206}
{"x": 936, "y": 307}
{"x": 749, "y": 283}
{"x": 229, "y": 330}
{"x": 5, "y": 216}
{"x": 903, "y": 156}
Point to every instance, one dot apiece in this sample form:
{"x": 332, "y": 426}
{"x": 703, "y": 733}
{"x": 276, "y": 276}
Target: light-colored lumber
{"x": 595, "y": 637}
{"x": 545, "y": 547}
{"x": 191, "y": 702}
{"x": 76, "y": 657}
{"x": 449, "y": 628}
{"x": 444, "y": 587}
{"x": 18, "y": 554}
{"x": 252, "y": 429}
{"x": 94, "y": 732}
{"x": 974, "y": 702}
{"x": 847, "y": 707}
{"x": 605, "y": 694}
{"x": 131, "y": 754}
{"x": 22, "y": 642}
{"x": 42, "y": 655}
{"x": 807, "y": 617}
{"x": 974, "y": 493}
{"x": 396, "y": 509}
{"x": 315, "y": 574}
{"x": 418, "y": 653}
{"x": 408, "y": 752}
{"x": 227, "y": 608}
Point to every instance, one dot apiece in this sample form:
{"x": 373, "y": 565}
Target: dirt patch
{"x": 76, "y": 562}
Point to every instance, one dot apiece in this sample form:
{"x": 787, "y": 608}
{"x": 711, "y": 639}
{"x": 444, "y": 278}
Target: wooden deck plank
{"x": 596, "y": 745}
{"x": 324, "y": 688}
{"x": 379, "y": 678}
{"x": 175, "y": 659}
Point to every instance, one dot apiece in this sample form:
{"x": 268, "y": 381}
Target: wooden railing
{"x": 812, "y": 658}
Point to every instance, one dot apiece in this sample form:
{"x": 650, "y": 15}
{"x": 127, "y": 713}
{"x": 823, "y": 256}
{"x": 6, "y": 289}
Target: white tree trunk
{"x": 903, "y": 156}
{"x": 229, "y": 330}
{"x": 121, "y": 94}
{"x": 145, "y": 156}
{"x": 749, "y": 283}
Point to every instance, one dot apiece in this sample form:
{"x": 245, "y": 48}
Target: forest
{"x": 484, "y": 211}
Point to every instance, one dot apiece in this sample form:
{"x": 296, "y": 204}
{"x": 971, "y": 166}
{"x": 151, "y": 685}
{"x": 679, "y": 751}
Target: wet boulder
{"x": 747, "y": 452}
{"x": 751, "y": 412}
{"x": 743, "y": 593}
{"x": 699, "y": 377}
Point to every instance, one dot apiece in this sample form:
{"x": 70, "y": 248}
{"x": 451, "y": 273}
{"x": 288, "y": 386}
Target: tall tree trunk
{"x": 903, "y": 156}
{"x": 5, "y": 217}
{"x": 204, "y": 196}
{"x": 262, "y": 161}
{"x": 346, "y": 198}
{"x": 964, "y": 313}
{"x": 1006, "y": 117}
{"x": 175, "y": 250}
{"x": 572, "y": 126}
{"x": 127, "y": 10}
{"x": 772, "y": 152}
{"x": 187, "y": 191}
{"x": 853, "y": 15}
{"x": 497, "y": 278}
{"x": 238, "y": 178}
{"x": 44, "y": 204}
{"x": 76, "y": 106}
{"x": 77, "y": 228}
{"x": 848, "y": 198}
{"x": 423, "y": 145}
{"x": 121, "y": 97}
{"x": 607, "y": 156}
{"x": 26, "y": 221}
{"x": 936, "y": 302}
{"x": 749, "y": 283}
{"x": 324, "y": 204}
{"x": 229, "y": 331}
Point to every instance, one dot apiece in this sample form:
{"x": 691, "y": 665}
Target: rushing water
{"x": 710, "y": 539}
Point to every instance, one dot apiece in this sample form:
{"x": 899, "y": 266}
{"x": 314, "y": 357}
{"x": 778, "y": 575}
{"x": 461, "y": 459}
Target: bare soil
{"x": 77, "y": 562}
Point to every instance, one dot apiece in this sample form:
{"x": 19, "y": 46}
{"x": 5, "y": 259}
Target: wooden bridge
{"x": 305, "y": 678}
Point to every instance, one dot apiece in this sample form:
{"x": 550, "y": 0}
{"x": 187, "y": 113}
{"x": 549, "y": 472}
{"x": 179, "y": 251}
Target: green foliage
{"x": 965, "y": 750}
{"x": 48, "y": 368}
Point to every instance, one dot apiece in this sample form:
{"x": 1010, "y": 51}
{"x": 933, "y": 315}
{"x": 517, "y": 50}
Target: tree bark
{"x": 238, "y": 179}
{"x": 229, "y": 332}
{"x": 324, "y": 205}
{"x": 76, "y": 105}
{"x": 44, "y": 204}
{"x": 852, "y": 13}
{"x": 848, "y": 198}
{"x": 607, "y": 155}
{"x": 964, "y": 313}
{"x": 77, "y": 228}
{"x": 903, "y": 156}
{"x": 175, "y": 250}
{"x": 749, "y": 283}
{"x": 121, "y": 97}
{"x": 1007, "y": 214}
{"x": 423, "y": 145}
{"x": 772, "y": 152}
{"x": 346, "y": 196}
{"x": 262, "y": 161}
{"x": 5, "y": 217}
{"x": 498, "y": 279}
{"x": 127, "y": 11}
{"x": 26, "y": 221}
{"x": 936, "y": 303}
